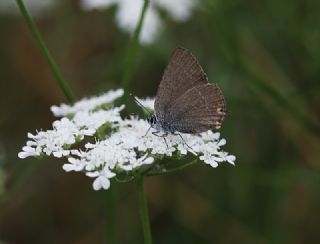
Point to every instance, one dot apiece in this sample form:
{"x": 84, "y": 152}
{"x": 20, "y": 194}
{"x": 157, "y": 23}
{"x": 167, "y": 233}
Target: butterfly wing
{"x": 182, "y": 73}
{"x": 199, "y": 109}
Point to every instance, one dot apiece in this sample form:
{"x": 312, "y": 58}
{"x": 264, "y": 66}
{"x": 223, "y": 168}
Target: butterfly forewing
{"x": 199, "y": 109}
{"x": 181, "y": 74}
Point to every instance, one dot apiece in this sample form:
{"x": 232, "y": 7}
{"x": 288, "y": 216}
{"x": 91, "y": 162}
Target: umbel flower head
{"x": 114, "y": 146}
{"x": 128, "y": 14}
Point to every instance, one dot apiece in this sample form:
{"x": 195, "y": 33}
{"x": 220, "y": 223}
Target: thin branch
{"x": 133, "y": 51}
{"x": 45, "y": 51}
{"x": 144, "y": 215}
{"x": 170, "y": 171}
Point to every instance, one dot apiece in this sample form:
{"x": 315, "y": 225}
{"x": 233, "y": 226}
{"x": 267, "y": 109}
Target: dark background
{"x": 265, "y": 57}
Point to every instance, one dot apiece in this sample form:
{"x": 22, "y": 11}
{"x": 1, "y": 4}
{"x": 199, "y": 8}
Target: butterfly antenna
{"x": 141, "y": 105}
{"x": 147, "y": 131}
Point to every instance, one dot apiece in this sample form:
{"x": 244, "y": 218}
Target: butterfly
{"x": 186, "y": 102}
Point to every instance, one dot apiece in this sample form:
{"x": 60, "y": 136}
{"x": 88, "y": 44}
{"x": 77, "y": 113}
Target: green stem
{"x": 174, "y": 169}
{"x": 37, "y": 36}
{"x": 144, "y": 212}
{"x": 111, "y": 239}
{"x": 133, "y": 51}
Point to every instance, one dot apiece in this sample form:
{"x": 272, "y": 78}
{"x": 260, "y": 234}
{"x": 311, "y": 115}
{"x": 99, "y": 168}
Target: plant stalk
{"x": 133, "y": 51}
{"x": 144, "y": 215}
{"x": 111, "y": 239}
{"x": 45, "y": 52}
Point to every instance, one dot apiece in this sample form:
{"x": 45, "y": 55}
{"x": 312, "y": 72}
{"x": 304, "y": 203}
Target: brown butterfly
{"x": 186, "y": 102}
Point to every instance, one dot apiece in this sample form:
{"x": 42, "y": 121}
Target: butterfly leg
{"x": 156, "y": 133}
{"x": 163, "y": 136}
{"x": 178, "y": 134}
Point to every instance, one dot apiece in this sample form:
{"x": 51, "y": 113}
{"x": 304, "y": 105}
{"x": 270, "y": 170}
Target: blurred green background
{"x": 265, "y": 56}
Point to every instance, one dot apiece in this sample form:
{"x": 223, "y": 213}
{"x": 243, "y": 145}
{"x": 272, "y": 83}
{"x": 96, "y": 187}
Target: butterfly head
{"x": 152, "y": 120}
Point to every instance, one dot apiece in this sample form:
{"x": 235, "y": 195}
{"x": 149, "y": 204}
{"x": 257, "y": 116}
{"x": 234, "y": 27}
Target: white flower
{"x": 28, "y": 151}
{"x": 67, "y": 132}
{"x": 179, "y": 10}
{"x": 128, "y": 14}
{"x": 102, "y": 178}
{"x": 146, "y": 102}
{"x": 96, "y": 4}
{"x": 129, "y": 148}
{"x": 228, "y": 158}
{"x": 36, "y": 7}
{"x": 87, "y": 104}
{"x": 74, "y": 165}
{"x": 123, "y": 149}
{"x": 91, "y": 121}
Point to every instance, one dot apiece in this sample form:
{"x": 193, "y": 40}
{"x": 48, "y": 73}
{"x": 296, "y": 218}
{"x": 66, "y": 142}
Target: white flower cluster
{"x": 85, "y": 121}
{"x": 128, "y": 14}
{"x": 86, "y": 104}
{"x": 126, "y": 149}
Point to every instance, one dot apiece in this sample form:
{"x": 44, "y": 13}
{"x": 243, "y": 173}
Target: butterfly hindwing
{"x": 199, "y": 109}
